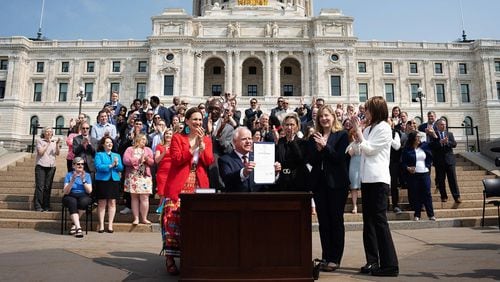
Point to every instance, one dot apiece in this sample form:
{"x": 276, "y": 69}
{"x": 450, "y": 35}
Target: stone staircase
{"x": 17, "y": 188}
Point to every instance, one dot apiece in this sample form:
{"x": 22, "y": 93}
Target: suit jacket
{"x": 250, "y": 116}
{"x": 181, "y": 164}
{"x": 164, "y": 113}
{"x": 443, "y": 154}
{"x": 409, "y": 157}
{"x": 330, "y": 166}
{"x": 292, "y": 157}
{"x": 222, "y": 143}
{"x": 86, "y": 153}
{"x": 230, "y": 166}
{"x": 103, "y": 171}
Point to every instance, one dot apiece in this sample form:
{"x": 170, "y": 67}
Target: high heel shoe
{"x": 355, "y": 210}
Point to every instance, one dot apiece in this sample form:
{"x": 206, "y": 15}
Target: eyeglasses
{"x": 79, "y": 164}
{"x": 86, "y": 128}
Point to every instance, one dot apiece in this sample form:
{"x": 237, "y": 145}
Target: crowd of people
{"x": 128, "y": 155}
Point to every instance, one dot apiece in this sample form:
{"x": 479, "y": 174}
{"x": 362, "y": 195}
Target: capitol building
{"x": 263, "y": 48}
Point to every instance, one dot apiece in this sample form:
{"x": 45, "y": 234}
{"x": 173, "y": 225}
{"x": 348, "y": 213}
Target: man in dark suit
{"x": 442, "y": 144}
{"x": 85, "y": 146}
{"x": 159, "y": 109}
{"x": 429, "y": 127}
{"x": 236, "y": 168}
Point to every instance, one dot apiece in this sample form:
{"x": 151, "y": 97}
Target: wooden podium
{"x": 246, "y": 237}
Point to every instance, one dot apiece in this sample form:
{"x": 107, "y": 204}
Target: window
{"x": 39, "y": 66}
{"x": 252, "y": 90}
{"x": 464, "y": 92}
{"x": 2, "y": 89}
{"x": 169, "y": 57}
{"x": 63, "y": 92}
{"x": 462, "y": 68}
{"x": 387, "y": 67}
{"x": 4, "y": 64}
{"x": 59, "y": 125}
{"x": 497, "y": 66}
{"x": 142, "y": 67}
{"x": 362, "y": 67}
{"x": 217, "y": 70}
{"x": 141, "y": 90}
{"x": 438, "y": 68}
{"x": 65, "y": 67}
{"x": 414, "y": 91}
{"x": 413, "y": 68}
{"x": 389, "y": 92}
{"x": 287, "y": 70}
{"x": 287, "y": 90}
{"x": 363, "y": 92}
{"x": 90, "y": 66}
{"x": 252, "y": 70}
{"x": 37, "y": 92}
{"x": 114, "y": 86}
{"x": 168, "y": 85}
{"x": 440, "y": 95}
{"x": 33, "y": 125}
{"x": 89, "y": 91}
{"x": 216, "y": 90}
{"x": 498, "y": 90}
{"x": 116, "y": 66}
{"x": 334, "y": 57}
{"x": 335, "y": 85}
{"x": 469, "y": 130}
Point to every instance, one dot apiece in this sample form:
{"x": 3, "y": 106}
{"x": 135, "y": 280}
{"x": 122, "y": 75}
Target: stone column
{"x": 229, "y": 72}
{"x": 237, "y": 74}
{"x": 306, "y": 75}
{"x": 267, "y": 77}
{"x": 198, "y": 75}
{"x": 276, "y": 74}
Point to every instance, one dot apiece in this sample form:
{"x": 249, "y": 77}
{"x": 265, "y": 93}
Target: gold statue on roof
{"x": 253, "y": 2}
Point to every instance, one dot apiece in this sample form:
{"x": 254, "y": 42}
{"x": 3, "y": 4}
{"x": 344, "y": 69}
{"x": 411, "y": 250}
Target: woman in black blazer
{"x": 329, "y": 182}
{"x": 290, "y": 153}
{"x": 416, "y": 162}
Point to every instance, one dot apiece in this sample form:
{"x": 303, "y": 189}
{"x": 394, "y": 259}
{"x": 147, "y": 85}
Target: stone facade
{"x": 247, "y": 47}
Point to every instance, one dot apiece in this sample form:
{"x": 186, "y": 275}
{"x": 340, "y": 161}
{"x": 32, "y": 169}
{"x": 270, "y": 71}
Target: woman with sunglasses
{"x": 77, "y": 189}
{"x": 107, "y": 181}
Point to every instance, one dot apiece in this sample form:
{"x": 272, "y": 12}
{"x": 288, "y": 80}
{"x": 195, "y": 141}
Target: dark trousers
{"x": 395, "y": 171}
{"x": 330, "y": 204}
{"x": 443, "y": 172}
{"x": 75, "y": 202}
{"x": 44, "y": 176}
{"x": 377, "y": 239}
{"x": 419, "y": 185}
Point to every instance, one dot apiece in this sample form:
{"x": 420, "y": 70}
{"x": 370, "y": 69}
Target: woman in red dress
{"x": 163, "y": 159}
{"x": 191, "y": 153}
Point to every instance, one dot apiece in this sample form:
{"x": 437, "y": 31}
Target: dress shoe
{"x": 367, "y": 268}
{"x": 328, "y": 266}
{"x": 392, "y": 271}
{"x": 458, "y": 200}
{"x": 444, "y": 200}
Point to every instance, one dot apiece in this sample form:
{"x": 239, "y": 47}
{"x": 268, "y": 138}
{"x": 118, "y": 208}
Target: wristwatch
{"x": 84, "y": 182}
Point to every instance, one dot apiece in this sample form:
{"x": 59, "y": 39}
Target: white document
{"x": 263, "y": 156}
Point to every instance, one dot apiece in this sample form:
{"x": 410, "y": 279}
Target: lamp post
{"x": 81, "y": 95}
{"x": 420, "y": 95}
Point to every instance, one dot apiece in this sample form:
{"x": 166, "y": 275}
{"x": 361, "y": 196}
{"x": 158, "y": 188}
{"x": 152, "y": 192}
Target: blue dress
{"x": 354, "y": 165}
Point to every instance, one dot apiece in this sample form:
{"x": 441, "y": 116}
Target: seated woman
{"x": 77, "y": 189}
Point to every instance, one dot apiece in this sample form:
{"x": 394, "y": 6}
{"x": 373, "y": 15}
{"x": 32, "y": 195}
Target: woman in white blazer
{"x": 375, "y": 145}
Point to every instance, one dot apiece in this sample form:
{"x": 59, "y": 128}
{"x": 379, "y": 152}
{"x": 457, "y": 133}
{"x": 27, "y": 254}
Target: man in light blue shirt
{"x": 103, "y": 127}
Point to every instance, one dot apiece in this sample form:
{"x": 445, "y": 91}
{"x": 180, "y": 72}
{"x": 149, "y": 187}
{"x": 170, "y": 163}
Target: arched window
{"x": 34, "y": 124}
{"x": 469, "y": 130}
{"x": 59, "y": 125}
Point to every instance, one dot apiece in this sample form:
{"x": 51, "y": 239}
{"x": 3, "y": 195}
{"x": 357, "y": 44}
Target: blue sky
{"x": 408, "y": 20}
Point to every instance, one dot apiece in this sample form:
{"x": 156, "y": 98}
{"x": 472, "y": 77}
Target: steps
{"x": 17, "y": 188}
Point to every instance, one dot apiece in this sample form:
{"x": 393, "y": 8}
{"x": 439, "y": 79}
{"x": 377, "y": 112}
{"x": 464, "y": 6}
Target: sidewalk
{"x": 444, "y": 254}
